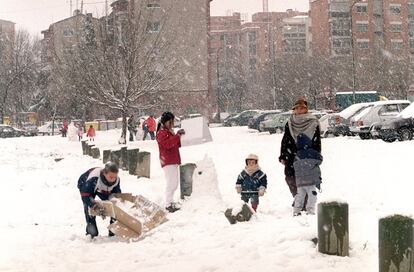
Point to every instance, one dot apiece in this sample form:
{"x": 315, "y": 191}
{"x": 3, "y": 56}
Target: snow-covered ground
{"x": 42, "y": 223}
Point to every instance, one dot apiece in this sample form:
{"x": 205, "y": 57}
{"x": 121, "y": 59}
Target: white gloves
{"x": 262, "y": 190}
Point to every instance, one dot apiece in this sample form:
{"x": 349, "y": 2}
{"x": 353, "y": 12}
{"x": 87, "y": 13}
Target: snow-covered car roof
{"x": 351, "y": 110}
{"x": 408, "y": 112}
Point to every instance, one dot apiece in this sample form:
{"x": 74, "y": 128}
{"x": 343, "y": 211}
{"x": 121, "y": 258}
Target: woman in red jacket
{"x": 169, "y": 144}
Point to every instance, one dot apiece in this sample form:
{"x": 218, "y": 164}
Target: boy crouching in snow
{"x": 252, "y": 182}
{"x": 308, "y": 174}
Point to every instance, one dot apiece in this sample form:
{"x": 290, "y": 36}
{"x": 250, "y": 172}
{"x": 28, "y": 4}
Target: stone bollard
{"x": 333, "y": 233}
{"x": 123, "y": 163}
{"x": 186, "y": 179}
{"x": 84, "y": 143}
{"x": 132, "y": 155}
{"x": 144, "y": 164}
{"x": 96, "y": 154}
{"x": 106, "y": 156}
{"x": 89, "y": 149}
{"x": 396, "y": 244}
{"x": 116, "y": 156}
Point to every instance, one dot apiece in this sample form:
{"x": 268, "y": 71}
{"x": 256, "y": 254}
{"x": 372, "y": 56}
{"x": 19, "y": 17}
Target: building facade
{"x": 7, "y": 35}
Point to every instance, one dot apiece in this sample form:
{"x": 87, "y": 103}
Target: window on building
{"x": 411, "y": 43}
{"x": 362, "y": 44}
{"x": 153, "y": 26}
{"x": 362, "y": 26}
{"x": 362, "y": 8}
{"x": 411, "y": 29}
{"x": 153, "y": 4}
{"x": 341, "y": 27}
{"x": 341, "y": 46}
{"x": 411, "y": 10}
{"x": 252, "y": 36}
{"x": 252, "y": 49}
{"x": 252, "y": 64}
{"x": 396, "y": 27}
{"x": 395, "y": 8}
{"x": 67, "y": 32}
{"x": 397, "y": 44}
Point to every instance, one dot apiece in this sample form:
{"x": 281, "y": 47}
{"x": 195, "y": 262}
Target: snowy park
{"x": 43, "y": 226}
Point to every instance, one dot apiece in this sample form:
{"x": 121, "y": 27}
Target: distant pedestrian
{"x": 151, "y": 127}
{"x": 80, "y": 131}
{"x": 132, "y": 128}
{"x": 64, "y": 129}
{"x": 91, "y": 133}
{"x": 144, "y": 127}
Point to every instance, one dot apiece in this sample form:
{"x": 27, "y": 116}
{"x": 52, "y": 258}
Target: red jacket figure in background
{"x": 91, "y": 133}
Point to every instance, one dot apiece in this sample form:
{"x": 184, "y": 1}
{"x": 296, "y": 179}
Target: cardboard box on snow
{"x": 196, "y": 131}
{"x": 134, "y": 215}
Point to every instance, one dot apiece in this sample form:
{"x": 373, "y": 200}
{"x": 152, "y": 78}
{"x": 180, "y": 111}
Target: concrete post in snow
{"x": 144, "y": 164}
{"x": 116, "y": 156}
{"x": 333, "y": 229}
{"x": 106, "y": 156}
{"x": 96, "y": 154}
{"x": 132, "y": 155}
{"x": 396, "y": 244}
{"x": 84, "y": 143}
{"x": 186, "y": 179}
{"x": 124, "y": 158}
{"x": 89, "y": 148}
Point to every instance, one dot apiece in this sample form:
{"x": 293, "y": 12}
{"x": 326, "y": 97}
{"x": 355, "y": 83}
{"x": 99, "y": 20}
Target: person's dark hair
{"x": 111, "y": 167}
{"x": 165, "y": 117}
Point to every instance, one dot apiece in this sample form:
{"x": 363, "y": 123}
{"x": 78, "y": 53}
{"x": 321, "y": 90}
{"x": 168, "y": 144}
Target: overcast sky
{"x": 37, "y": 15}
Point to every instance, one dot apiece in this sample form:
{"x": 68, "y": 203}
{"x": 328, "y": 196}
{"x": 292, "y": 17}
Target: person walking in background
{"x": 65, "y": 128}
{"x": 303, "y": 122}
{"x": 151, "y": 127}
{"x": 144, "y": 127}
{"x": 132, "y": 128}
{"x": 169, "y": 144}
{"x": 91, "y": 133}
{"x": 80, "y": 131}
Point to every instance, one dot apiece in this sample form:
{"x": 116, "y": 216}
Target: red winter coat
{"x": 169, "y": 145}
{"x": 91, "y": 132}
{"x": 152, "y": 125}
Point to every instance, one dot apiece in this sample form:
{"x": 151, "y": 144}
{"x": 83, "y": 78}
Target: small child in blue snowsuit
{"x": 251, "y": 182}
{"x": 308, "y": 174}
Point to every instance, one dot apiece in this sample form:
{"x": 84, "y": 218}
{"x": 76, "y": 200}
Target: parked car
{"x": 30, "y": 129}
{"x": 47, "y": 128}
{"x": 240, "y": 119}
{"x": 7, "y": 131}
{"x": 374, "y": 113}
{"x": 278, "y": 122}
{"x": 399, "y": 128}
{"x": 338, "y": 123}
{"x": 254, "y": 122}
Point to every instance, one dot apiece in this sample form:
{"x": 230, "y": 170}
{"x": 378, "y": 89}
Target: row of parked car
{"x": 8, "y": 131}
{"x": 388, "y": 120}
{"x": 272, "y": 121}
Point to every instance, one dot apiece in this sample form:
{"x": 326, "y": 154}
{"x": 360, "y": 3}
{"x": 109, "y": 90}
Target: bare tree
{"x": 18, "y": 73}
{"x": 127, "y": 66}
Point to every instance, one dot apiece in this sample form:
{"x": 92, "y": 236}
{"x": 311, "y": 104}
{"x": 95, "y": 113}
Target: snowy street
{"x": 42, "y": 226}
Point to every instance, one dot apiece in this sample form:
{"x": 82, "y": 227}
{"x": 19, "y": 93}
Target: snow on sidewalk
{"x": 42, "y": 226}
